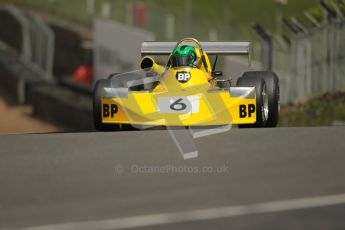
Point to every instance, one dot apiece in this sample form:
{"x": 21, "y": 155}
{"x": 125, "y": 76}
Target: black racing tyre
{"x": 272, "y": 84}
{"x": 253, "y": 80}
{"x": 97, "y": 107}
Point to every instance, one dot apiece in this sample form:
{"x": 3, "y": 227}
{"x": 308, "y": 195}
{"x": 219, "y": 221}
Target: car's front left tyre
{"x": 97, "y": 107}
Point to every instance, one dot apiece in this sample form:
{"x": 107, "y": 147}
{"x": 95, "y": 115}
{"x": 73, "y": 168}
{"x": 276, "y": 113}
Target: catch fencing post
{"x": 269, "y": 43}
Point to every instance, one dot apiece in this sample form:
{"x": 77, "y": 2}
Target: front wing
{"x": 218, "y": 107}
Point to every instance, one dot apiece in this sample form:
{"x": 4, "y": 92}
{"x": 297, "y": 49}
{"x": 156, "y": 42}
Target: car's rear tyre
{"x": 253, "y": 80}
{"x": 97, "y": 107}
{"x": 272, "y": 84}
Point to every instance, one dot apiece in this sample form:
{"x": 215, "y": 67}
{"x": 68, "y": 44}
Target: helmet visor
{"x": 181, "y": 61}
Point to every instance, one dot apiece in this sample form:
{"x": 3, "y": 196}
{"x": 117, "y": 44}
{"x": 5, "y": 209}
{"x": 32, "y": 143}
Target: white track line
{"x": 198, "y": 215}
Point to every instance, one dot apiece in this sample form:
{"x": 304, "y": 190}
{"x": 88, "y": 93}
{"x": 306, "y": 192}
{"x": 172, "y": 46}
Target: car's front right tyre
{"x": 262, "y": 107}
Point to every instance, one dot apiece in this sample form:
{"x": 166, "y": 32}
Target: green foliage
{"x": 317, "y": 13}
{"x": 232, "y": 19}
{"x": 319, "y": 111}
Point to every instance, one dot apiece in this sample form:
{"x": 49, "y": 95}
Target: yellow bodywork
{"x": 205, "y": 103}
{"x": 216, "y": 108}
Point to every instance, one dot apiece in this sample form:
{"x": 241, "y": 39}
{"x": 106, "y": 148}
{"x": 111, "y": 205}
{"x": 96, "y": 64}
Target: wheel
{"x": 272, "y": 85}
{"x": 97, "y": 107}
{"x": 253, "y": 80}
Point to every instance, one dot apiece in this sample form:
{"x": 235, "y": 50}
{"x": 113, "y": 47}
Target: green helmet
{"x": 183, "y": 56}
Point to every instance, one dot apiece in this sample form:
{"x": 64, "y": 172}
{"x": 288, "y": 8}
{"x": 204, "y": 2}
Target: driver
{"x": 187, "y": 56}
{"x": 184, "y": 56}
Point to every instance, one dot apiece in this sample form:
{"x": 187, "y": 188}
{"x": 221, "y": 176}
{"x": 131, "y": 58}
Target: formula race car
{"x": 186, "y": 91}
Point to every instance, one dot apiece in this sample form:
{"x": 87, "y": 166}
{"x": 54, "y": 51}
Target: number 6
{"x": 178, "y": 105}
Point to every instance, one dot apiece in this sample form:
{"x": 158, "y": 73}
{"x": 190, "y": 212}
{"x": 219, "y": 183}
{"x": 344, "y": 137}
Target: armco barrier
{"x": 63, "y": 106}
{"x": 75, "y": 85}
{"x": 15, "y": 76}
{"x": 10, "y": 30}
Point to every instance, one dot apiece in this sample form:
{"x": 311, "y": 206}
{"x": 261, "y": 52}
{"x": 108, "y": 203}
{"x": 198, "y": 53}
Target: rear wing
{"x": 211, "y": 48}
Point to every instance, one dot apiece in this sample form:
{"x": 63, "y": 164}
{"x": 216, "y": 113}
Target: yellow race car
{"x": 186, "y": 91}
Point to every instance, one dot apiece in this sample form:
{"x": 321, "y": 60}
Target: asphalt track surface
{"x": 283, "y": 178}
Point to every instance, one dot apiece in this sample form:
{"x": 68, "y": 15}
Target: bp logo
{"x": 183, "y": 77}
